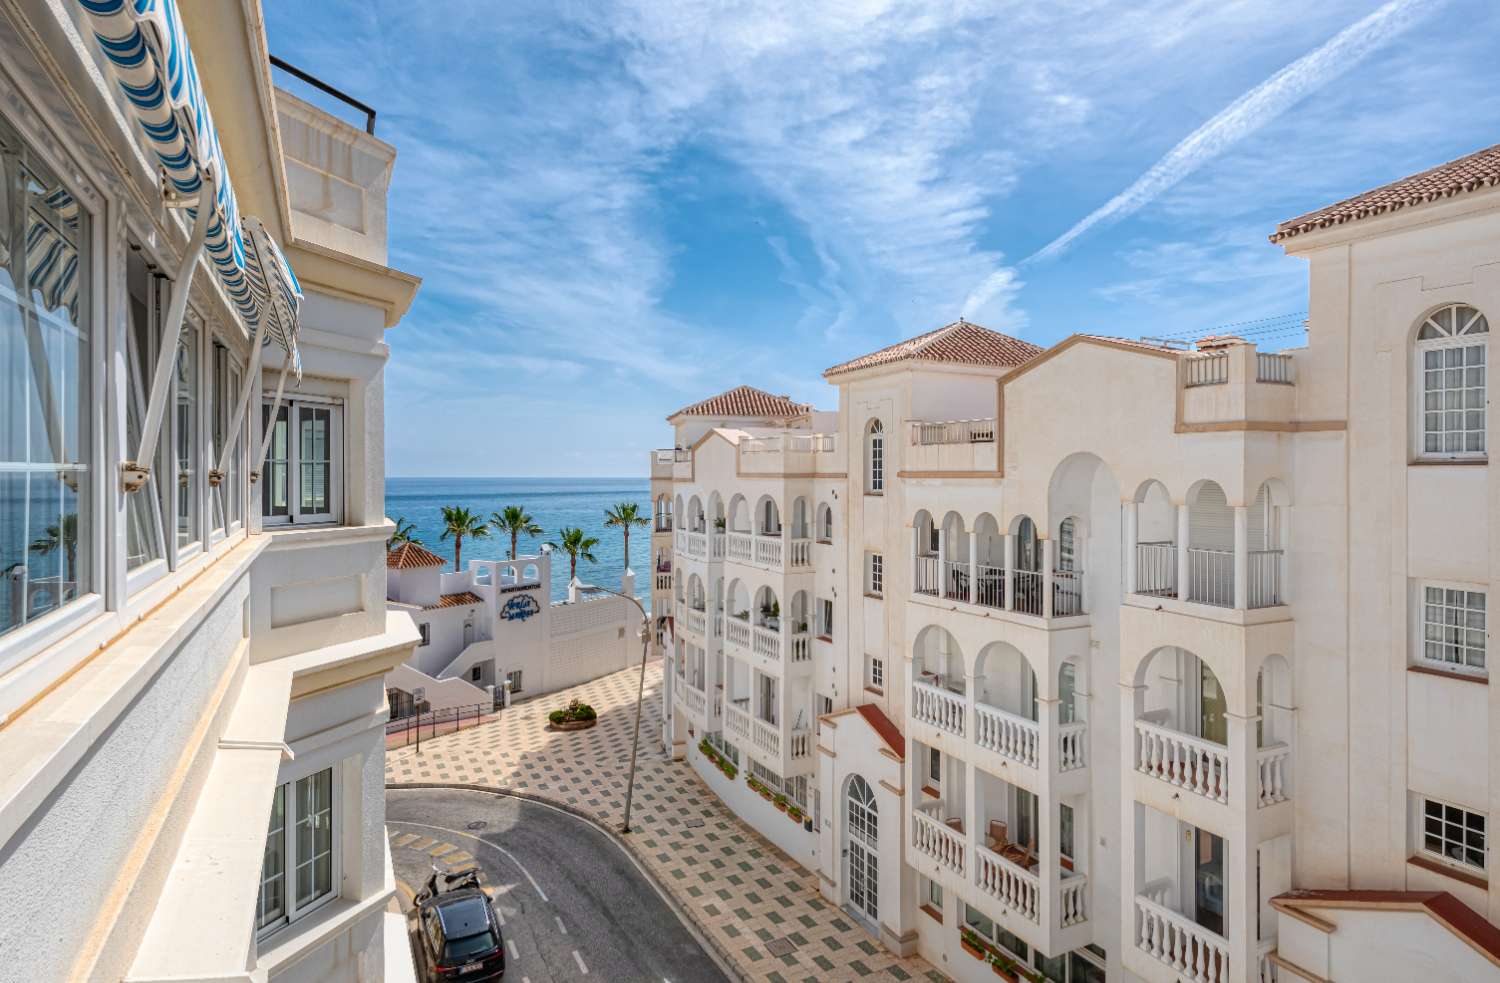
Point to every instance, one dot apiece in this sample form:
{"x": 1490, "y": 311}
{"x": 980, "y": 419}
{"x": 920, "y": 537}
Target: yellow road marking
{"x": 405, "y": 838}
{"x": 441, "y": 849}
{"x": 424, "y": 844}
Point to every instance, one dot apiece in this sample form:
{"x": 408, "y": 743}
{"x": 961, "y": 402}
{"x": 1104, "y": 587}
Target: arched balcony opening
{"x": 953, "y": 548}
{"x": 939, "y": 682}
{"x": 739, "y": 601}
{"x": 801, "y": 519}
{"x": 799, "y": 625}
{"x": 1072, "y": 716}
{"x": 696, "y": 520}
{"x": 739, "y": 515}
{"x": 663, "y": 511}
{"x": 1210, "y": 559}
{"x": 1067, "y": 569}
{"x": 1005, "y": 704}
{"x": 1155, "y": 571}
{"x": 716, "y": 514}
{"x": 697, "y": 596}
{"x": 1026, "y": 567}
{"x": 825, "y": 523}
{"x": 767, "y": 517}
{"x": 1182, "y": 723}
{"x": 1264, "y": 566}
{"x": 767, "y": 613}
{"x": 927, "y": 575}
{"x": 989, "y": 562}
{"x": 1274, "y": 729}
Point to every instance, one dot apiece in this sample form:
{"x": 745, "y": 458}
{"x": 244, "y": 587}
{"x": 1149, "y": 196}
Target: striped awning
{"x": 145, "y": 43}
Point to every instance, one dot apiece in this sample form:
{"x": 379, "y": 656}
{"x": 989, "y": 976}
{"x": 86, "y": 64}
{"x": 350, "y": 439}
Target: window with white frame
{"x": 825, "y": 617}
{"x": 145, "y": 508}
{"x": 46, "y": 409}
{"x": 875, "y": 574}
{"x": 875, "y": 458}
{"x": 299, "y": 869}
{"x": 875, "y": 672}
{"x": 1453, "y": 834}
{"x": 825, "y": 524}
{"x": 302, "y": 478}
{"x": 1450, "y": 350}
{"x": 224, "y": 386}
{"x": 513, "y": 678}
{"x": 1454, "y": 628}
{"x": 185, "y": 435}
{"x": 932, "y": 894}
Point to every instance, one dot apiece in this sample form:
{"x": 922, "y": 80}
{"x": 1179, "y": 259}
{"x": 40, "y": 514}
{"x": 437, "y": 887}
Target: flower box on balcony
{"x": 970, "y": 943}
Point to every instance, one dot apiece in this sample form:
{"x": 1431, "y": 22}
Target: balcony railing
{"x": 956, "y": 580}
{"x": 1156, "y": 569}
{"x": 692, "y": 544}
{"x": 1265, "y": 578}
{"x": 1273, "y": 368}
{"x": 801, "y": 647}
{"x": 1067, "y": 593}
{"x": 1273, "y": 764}
{"x": 989, "y": 586}
{"x": 1006, "y": 734}
{"x": 929, "y": 575}
{"x": 800, "y": 744}
{"x": 1010, "y": 884}
{"x": 737, "y": 721}
{"x": 801, "y": 553}
{"x": 1211, "y": 577}
{"x": 1072, "y": 745}
{"x": 978, "y": 431}
{"x": 1198, "y": 765}
{"x": 697, "y": 620}
{"x": 932, "y": 837}
{"x": 768, "y": 551}
{"x": 767, "y": 737}
{"x": 695, "y": 699}
{"x": 737, "y": 632}
{"x": 741, "y": 546}
{"x": 1190, "y": 949}
{"x": 716, "y": 546}
{"x": 664, "y": 581}
{"x": 1073, "y": 900}
{"x": 718, "y": 623}
{"x": 1026, "y": 590}
{"x": 938, "y": 707}
{"x": 1206, "y": 370}
{"x": 767, "y": 643}
{"x": 681, "y": 455}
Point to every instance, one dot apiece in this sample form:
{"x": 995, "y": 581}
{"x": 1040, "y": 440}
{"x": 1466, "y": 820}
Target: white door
{"x": 864, "y": 871}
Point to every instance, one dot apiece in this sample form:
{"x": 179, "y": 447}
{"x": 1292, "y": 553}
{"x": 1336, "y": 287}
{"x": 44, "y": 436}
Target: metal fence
{"x": 419, "y": 727}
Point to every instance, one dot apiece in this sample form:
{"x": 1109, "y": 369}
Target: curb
{"x": 689, "y": 919}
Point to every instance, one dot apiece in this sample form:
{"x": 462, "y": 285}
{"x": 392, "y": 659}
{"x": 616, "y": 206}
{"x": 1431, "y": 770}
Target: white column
{"x": 1241, "y": 557}
{"x": 1049, "y": 817}
{"x": 1132, "y": 513}
{"x": 942, "y": 566}
{"x": 1240, "y": 900}
{"x": 916, "y": 556}
{"x": 972, "y": 592}
{"x": 1182, "y": 551}
{"x": 1009, "y": 588}
{"x": 1048, "y": 559}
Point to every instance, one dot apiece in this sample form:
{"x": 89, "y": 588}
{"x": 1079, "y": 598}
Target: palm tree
{"x": 403, "y": 534}
{"x": 625, "y": 515}
{"x": 63, "y": 535}
{"x": 577, "y": 544}
{"x": 459, "y": 522}
{"x": 515, "y": 520}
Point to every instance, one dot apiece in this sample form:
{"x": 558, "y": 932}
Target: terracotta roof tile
{"x": 408, "y": 556}
{"x": 882, "y": 725}
{"x": 1478, "y": 170}
{"x": 959, "y": 343}
{"x": 461, "y": 599}
{"x": 745, "y": 401}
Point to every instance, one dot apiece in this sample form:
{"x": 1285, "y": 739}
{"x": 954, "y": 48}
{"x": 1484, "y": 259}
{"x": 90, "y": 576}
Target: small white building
{"x": 1128, "y": 661}
{"x": 493, "y": 627}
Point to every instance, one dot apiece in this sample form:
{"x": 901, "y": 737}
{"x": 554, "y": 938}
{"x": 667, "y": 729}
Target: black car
{"x": 457, "y": 934}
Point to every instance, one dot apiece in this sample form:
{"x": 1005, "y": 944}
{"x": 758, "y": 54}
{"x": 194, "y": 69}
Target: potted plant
{"x": 719, "y": 524}
{"x": 730, "y": 771}
{"x": 577, "y": 715}
{"x": 969, "y": 941}
{"x": 780, "y": 801}
{"x": 794, "y": 813}
{"x": 802, "y": 627}
{"x": 1006, "y": 968}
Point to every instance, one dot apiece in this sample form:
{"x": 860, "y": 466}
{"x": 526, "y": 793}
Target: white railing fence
{"x": 1191, "y": 950}
{"x": 989, "y": 586}
{"x": 1006, "y": 734}
{"x": 1156, "y": 569}
{"x": 737, "y": 632}
{"x": 934, "y": 838}
{"x": 1271, "y": 367}
{"x": 956, "y": 580}
{"x": 1072, "y": 745}
{"x": 767, "y": 737}
{"x": 716, "y": 546}
{"x": 741, "y": 546}
{"x": 801, "y": 647}
{"x": 1274, "y": 765}
{"x": 929, "y": 575}
{"x": 1200, "y": 766}
{"x": 938, "y": 707}
{"x": 1206, "y": 370}
{"x": 737, "y": 722}
{"x": 1026, "y": 587}
{"x": 767, "y": 643}
{"x": 977, "y": 431}
{"x": 768, "y": 551}
{"x": 1264, "y": 588}
{"x": 1067, "y": 593}
{"x": 1073, "y": 900}
{"x": 695, "y": 700}
{"x": 801, "y": 553}
{"x": 801, "y": 744}
{"x": 1009, "y": 884}
{"x": 1211, "y": 577}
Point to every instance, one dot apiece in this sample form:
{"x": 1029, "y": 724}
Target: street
{"x": 571, "y": 903}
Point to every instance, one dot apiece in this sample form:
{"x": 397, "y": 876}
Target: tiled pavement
{"x": 753, "y": 900}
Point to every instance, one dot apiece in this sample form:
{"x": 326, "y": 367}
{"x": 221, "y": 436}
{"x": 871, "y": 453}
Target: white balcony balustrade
{"x": 1273, "y": 764}
{"x": 737, "y": 720}
{"x": 938, "y": 707}
{"x": 1271, "y": 367}
{"x": 1211, "y": 577}
{"x": 768, "y": 551}
{"x": 1067, "y": 593}
{"x": 737, "y": 632}
{"x": 695, "y": 700}
{"x": 956, "y": 580}
{"x": 1264, "y": 572}
{"x": 716, "y": 546}
{"x": 989, "y": 586}
{"x": 741, "y": 546}
{"x": 1006, "y": 734}
{"x": 800, "y": 744}
{"x": 1156, "y": 569}
{"x": 693, "y": 545}
{"x": 697, "y": 620}
{"x": 1192, "y": 951}
{"x": 1073, "y": 900}
{"x": 1269, "y": 971}
{"x": 1026, "y": 591}
{"x": 929, "y": 575}
{"x": 767, "y": 643}
{"x": 978, "y": 431}
{"x": 1072, "y": 745}
{"x": 1206, "y": 370}
{"x": 801, "y": 647}
{"x": 932, "y": 837}
{"x": 663, "y": 580}
{"x": 718, "y": 623}
{"x": 801, "y": 554}
{"x": 1198, "y": 765}
{"x": 767, "y": 737}
{"x": 1009, "y": 883}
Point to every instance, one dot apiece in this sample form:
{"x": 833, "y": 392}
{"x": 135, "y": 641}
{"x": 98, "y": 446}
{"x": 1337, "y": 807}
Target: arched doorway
{"x": 862, "y": 849}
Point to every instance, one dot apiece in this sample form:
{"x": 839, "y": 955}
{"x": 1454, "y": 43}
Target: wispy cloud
{"x": 1252, "y": 111}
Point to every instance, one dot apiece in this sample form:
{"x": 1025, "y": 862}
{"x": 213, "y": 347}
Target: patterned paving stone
{"x": 757, "y": 891}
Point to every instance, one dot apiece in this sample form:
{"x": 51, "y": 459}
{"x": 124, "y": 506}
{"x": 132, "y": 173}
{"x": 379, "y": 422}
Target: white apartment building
{"x": 493, "y": 628}
{"x": 1120, "y": 661}
{"x": 193, "y": 625}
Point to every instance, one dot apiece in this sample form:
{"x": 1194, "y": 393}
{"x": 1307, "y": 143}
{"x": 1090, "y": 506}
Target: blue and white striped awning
{"x": 145, "y": 43}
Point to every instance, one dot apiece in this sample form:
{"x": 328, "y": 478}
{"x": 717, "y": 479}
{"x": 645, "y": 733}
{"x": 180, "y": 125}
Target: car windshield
{"x": 477, "y": 944}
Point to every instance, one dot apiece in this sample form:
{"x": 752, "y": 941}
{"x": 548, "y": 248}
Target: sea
{"x": 553, "y": 504}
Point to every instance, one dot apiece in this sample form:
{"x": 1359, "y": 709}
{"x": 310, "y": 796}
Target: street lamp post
{"x": 635, "y": 744}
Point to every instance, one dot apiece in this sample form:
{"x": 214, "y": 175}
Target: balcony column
{"x": 1049, "y": 576}
{"x": 1131, "y": 514}
{"x": 1241, "y": 557}
{"x": 972, "y": 593}
{"x": 916, "y": 558}
{"x": 1010, "y": 594}
{"x": 1183, "y": 528}
{"x": 942, "y": 567}
{"x": 1049, "y": 817}
{"x": 1241, "y": 902}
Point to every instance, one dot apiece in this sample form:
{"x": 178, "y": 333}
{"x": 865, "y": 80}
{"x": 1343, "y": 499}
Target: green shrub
{"x": 575, "y": 711}
{"x": 556, "y": 716}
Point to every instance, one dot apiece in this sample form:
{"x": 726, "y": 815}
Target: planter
{"x": 1003, "y": 974}
{"x": 971, "y": 949}
{"x": 574, "y": 725}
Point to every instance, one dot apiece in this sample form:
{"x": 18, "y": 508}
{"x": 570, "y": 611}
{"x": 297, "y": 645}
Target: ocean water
{"x": 552, "y": 502}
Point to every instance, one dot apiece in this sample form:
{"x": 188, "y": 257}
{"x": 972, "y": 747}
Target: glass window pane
{"x": 185, "y": 427}
{"x": 275, "y": 477}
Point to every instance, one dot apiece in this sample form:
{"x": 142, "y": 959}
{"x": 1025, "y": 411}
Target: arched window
{"x": 825, "y": 524}
{"x": 1067, "y": 547}
{"x": 875, "y": 458}
{"x": 1451, "y": 355}
{"x": 863, "y": 837}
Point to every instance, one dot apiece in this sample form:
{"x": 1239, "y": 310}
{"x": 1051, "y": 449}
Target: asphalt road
{"x": 572, "y": 905}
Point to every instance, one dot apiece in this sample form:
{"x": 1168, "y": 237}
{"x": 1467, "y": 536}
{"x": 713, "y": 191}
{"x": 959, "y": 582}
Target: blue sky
{"x": 620, "y": 207}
